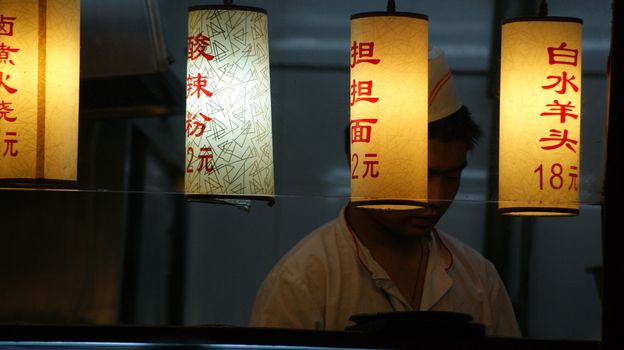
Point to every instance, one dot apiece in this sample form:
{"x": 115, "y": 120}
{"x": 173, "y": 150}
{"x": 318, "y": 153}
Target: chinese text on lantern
{"x": 557, "y": 175}
{"x": 362, "y": 129}
{"x": 196, "y": 85}
{"x": 8, "y": 114}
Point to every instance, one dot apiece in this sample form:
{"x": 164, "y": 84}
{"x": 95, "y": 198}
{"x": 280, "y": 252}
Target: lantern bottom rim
{"x": 389, "y": 204}
{"x": 541, "y": 211}
{"x": 38, "y": 183}
{"x": 214, "y": 198}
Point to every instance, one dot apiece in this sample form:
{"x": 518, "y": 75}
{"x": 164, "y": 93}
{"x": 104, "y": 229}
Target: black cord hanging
{"x": 391, "y": 6}
{"x": 543, "y": 9}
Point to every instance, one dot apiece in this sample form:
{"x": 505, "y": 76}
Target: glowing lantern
{"x": 388, "y": 123}
{"x": 229, "y": 146}
{"x": 39, "y": 89}
{"x": 540, "y": 116}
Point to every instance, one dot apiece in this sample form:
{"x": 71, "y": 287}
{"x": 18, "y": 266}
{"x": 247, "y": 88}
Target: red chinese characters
{"x": 196, "y": 123}
{"x": 8, "y": 115}
{"x": 363, "y": 53}
{"x": 5, "y": 112}
{"x": 370, "y": 160}
{"x": 196, "y": 46}
{"x": 362, "y": 129}
{"x": 10, "y": 141}
{"x": 554, "y": 177}
{"x": 562, "y": 82}
{"x": 562, "y": 55}
{"x": 5, "y": 53}
{"x": 6, "y": 25}
{"x": 196, "y": 85}
{"x": 205, "y": 154}
{"x": 561, "y": 85}
{"x": 560, "y": 110}
{"x": 362, "y": 91}
{"x": 557, "y": 139}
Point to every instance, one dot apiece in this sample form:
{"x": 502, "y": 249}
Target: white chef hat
{"x": 443, "y": 100}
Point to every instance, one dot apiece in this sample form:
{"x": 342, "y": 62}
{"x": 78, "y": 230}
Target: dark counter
{"x": 23, "y": 337}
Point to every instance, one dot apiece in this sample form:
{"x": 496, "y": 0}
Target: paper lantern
{"x": 39, "y": 89}
{"x": 540, "y": 116}
{"x": 229, "y": 146}
{"x": 389, "y": 100}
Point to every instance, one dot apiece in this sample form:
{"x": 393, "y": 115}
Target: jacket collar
{"x": 437, "y": 281}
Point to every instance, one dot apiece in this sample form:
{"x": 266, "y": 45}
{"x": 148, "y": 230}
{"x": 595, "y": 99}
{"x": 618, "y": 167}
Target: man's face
{"x": 446, "y": 162}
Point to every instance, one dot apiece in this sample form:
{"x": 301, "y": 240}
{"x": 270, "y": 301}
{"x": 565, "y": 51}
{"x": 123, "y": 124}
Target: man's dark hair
{"x": 457, "y": 126}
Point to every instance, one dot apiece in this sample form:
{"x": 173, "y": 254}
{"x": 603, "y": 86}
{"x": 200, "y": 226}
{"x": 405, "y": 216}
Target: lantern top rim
{"x": 226, "y": 7}
{"x": 389, "y": 14}
{"x": 543, "y": 19}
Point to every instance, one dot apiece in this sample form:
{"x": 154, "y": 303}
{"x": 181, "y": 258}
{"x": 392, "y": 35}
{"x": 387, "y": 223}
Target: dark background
{"x": 126, "y": 248}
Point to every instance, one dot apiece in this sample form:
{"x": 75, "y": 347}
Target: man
{"x": 370, "y": 261}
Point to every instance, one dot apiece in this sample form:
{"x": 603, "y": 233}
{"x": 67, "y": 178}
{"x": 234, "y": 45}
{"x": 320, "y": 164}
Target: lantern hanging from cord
{"x": 540, "y": 116}
{"x": 39, "y": 84}
{"x": 388, "y": 117}
{"x": 229, "y": 147}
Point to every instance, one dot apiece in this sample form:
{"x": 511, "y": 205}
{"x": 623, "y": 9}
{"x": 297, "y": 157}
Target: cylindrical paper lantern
{"x": 229, "y": 145}
{"x": 540, "y": 116}
{"x": 39, "y": 88}
{"x": 389, "y": 100}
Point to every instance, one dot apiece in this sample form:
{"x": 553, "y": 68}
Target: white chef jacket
{"x": 330, "y": 275}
